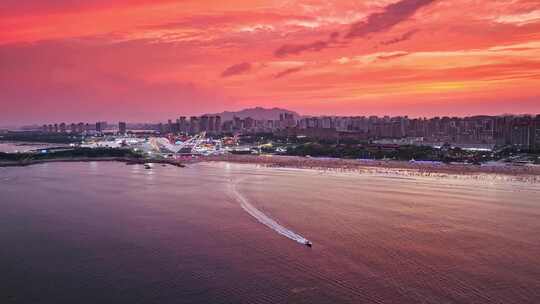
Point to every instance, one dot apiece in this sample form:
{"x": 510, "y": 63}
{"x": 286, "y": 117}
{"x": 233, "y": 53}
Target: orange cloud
{"x": 189, "y": 57}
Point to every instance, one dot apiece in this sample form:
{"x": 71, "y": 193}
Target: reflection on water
{"x": 103, "y": 232}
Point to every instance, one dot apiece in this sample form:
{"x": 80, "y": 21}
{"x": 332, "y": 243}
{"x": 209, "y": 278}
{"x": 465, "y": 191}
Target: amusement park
{"x": 172, "y": 145}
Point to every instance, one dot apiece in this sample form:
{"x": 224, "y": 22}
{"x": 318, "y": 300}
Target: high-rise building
{"x": 522, "y": 132}
{"x": 177, "y": 126}
{"x": 193, "y": 124}
{"x": 227, "y": 126}
{"x": 80, "y": 127}
{"x": 183, "y": 125}
{"x": 169, "y": 126}
{"x": 122, "y": 127}
{"x": 327, "y": 123}
{"x": 203, "y": 123}
{"x": 100, "y": 126}
{"x": 249, "y": 123}
{"x": 537, "y": 133}
{"x": 286, "y": 120}
{"x": 238, "y": 124}
{"x": 217, "y": 126}
{"x": 211, "y": 124}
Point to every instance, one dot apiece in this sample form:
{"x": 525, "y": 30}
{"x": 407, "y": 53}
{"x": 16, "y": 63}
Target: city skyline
{"x": 522, "y": 131}
{"x": 150, "y": 60}
{"x": 298, "y": 116}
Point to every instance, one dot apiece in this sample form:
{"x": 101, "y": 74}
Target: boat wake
{"x": 266, "y": 220}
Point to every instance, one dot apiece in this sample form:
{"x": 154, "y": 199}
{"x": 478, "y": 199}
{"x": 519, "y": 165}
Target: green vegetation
{"x": 40, "y": 137}
{"x": 71, "y": 153}
{"x": 366, "y": 151}
{"x": 408, "y": 152}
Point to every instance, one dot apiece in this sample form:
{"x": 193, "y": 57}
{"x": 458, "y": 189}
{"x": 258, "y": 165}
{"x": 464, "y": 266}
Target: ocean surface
{"x": 106, "y": 232}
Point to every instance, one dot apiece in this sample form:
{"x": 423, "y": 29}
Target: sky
{"x": 150, "y": 60}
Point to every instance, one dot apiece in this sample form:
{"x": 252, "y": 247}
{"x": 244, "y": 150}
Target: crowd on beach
{"x": 437, "y": 170}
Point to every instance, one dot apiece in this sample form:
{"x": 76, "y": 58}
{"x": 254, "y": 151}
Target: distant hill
{"x": 257, "y": 113}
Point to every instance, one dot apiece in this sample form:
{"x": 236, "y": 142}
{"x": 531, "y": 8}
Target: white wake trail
{"x": 264, "y": 219}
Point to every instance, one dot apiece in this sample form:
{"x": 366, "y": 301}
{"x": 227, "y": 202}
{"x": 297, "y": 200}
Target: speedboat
{"x": 147, "y": 166}
{"x": 308, "y": 243}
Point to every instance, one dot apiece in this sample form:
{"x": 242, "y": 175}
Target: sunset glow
{"x": 150, "y": 60}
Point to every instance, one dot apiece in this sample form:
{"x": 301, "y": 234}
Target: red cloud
{"x": 406, "y": 36}
{"x": 236, "y": 69}
{"x": 287, "y": 72}
{"x": 377, "y": 22}
{"x": 295, "y": 49}
{"x": 392, "y": 15}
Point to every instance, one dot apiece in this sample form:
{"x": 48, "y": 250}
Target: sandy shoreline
{"x": 510, "y": 173}
{"x": 518, "y": 173}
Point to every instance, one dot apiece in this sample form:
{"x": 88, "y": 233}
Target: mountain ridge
{"x": 258, "y": 113}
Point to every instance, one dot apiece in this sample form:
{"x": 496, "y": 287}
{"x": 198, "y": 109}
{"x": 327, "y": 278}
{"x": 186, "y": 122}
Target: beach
{"x": 500, "y": 171}
{"x": 530, "y": 173}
